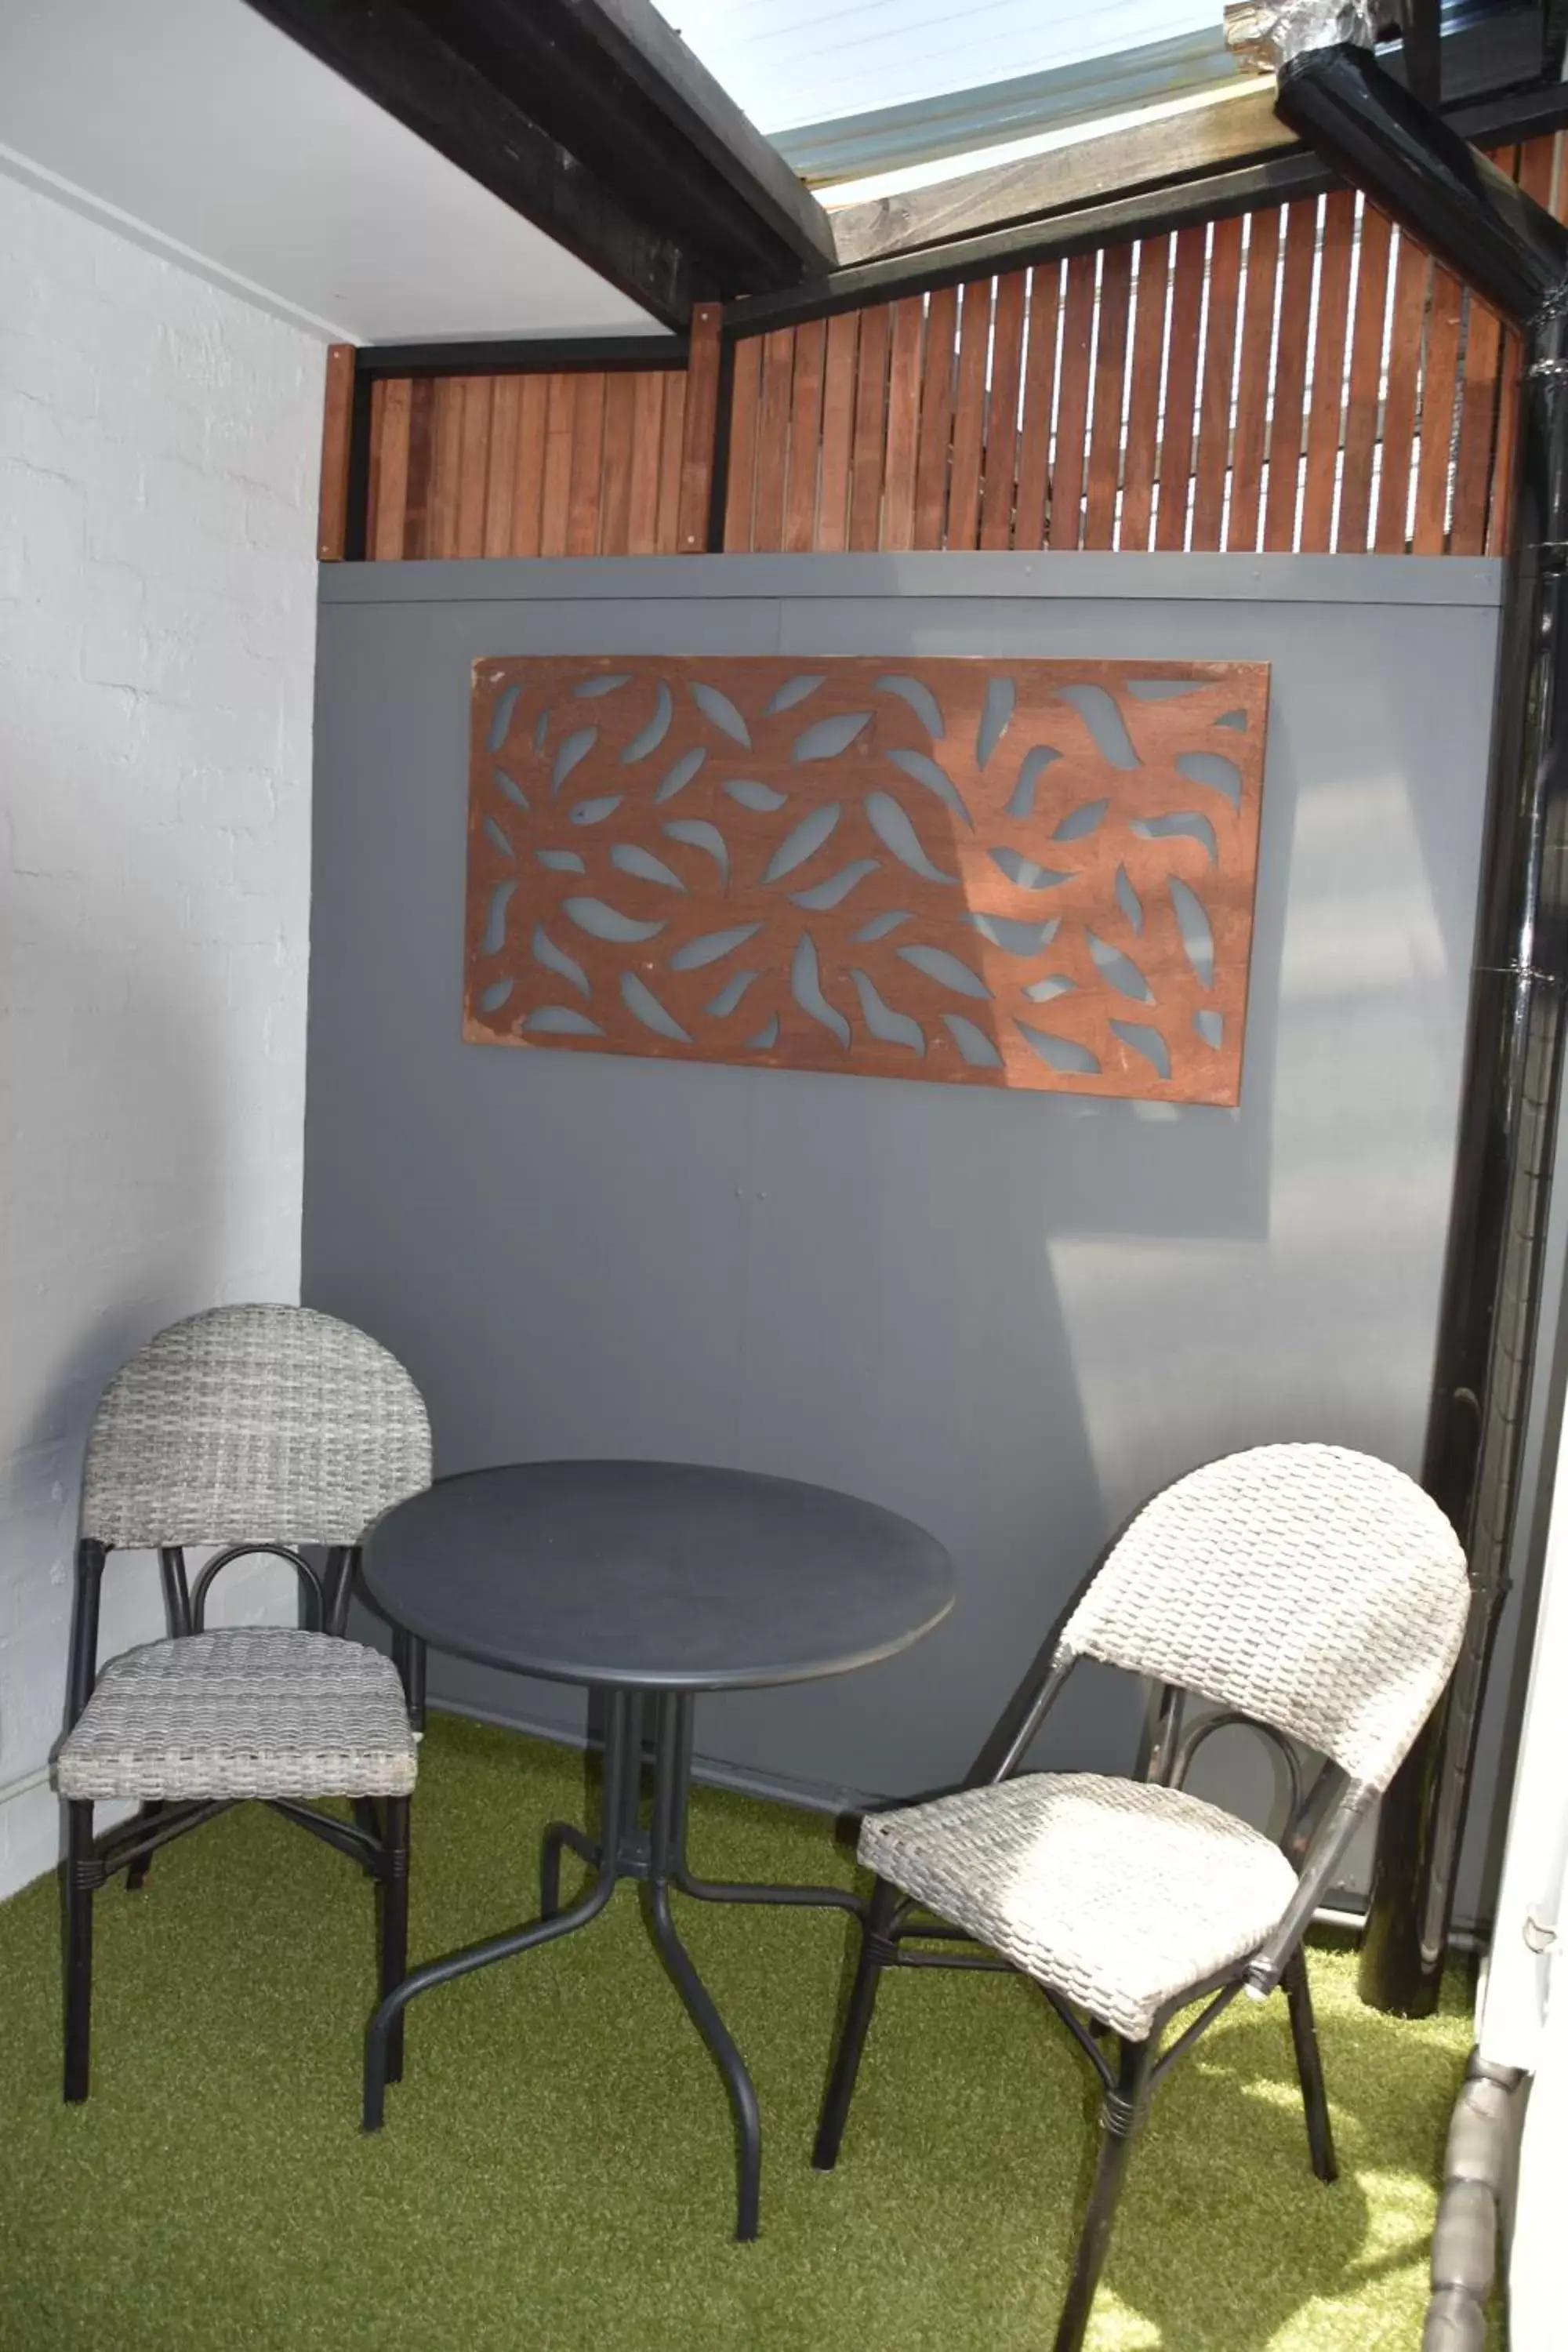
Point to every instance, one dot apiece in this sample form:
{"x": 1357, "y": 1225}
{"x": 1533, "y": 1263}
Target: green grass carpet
{"x": 556, "y": 2172}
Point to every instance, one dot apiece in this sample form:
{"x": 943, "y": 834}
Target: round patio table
{"x": 649, "y": 1582}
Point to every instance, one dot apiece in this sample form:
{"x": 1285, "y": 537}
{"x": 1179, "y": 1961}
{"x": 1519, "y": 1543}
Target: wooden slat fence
{"x": 1303, "y": 378}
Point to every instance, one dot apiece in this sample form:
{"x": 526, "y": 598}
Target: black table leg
{"x": 670, "y": 1788}
{"x": 625, "y": 1849}
{"x": 517, "y": 1939}
{"x": 719, "y": 1890}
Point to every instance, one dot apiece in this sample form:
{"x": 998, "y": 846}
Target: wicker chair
{"x": 1312, "y": 1592}
{"x": 260, "y": 1429}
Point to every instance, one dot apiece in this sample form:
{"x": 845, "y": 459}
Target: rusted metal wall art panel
{"x": 1002, "y": 873}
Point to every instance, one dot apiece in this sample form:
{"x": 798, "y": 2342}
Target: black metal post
{"x": 1515, "y": 256}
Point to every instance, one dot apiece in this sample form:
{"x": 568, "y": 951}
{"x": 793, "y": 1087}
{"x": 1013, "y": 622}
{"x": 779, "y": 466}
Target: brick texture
{"x": 159, "y": 445}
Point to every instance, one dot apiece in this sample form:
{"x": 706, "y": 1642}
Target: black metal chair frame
{"x": 895, "y": 1932}
{"x": 378, "y": 1839}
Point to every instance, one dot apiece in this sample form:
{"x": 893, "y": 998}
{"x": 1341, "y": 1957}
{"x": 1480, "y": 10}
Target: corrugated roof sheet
{"x": 790, "y": 62}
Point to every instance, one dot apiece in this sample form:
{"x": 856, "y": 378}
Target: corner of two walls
{"x": 159, "y": 451}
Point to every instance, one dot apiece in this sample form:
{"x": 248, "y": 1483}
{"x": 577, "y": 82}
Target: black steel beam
{"x": 536, "y": 355}
{"x": 1150, "y": 212}
{"x": 385, "y": 49}
{"x": 592, "y": 120}
{"x": 618, "y": 86}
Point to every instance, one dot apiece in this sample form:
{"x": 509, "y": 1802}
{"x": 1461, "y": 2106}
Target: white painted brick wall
{"x": 159, "y": 448}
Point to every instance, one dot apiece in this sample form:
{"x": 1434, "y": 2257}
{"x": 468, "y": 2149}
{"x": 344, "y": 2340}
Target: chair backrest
{"x": 253, "y": 1422}
{"x": 1314, "y": 1588}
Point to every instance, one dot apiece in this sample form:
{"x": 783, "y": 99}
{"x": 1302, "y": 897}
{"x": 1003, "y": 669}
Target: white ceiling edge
{"x": 168, "y": 248}
{"x": 198, "y": 131}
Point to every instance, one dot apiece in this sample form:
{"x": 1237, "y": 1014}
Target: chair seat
{"x": 253, "y": 1711}
{"x": 1117, "y": 1895}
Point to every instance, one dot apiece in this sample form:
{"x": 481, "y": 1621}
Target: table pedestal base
{"x": 655, "y": 1856}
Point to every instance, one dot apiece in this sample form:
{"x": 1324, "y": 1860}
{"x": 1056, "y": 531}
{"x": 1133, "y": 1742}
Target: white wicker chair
{"x": 1313, "y": 1592}
{"x": 258, "y": 1429}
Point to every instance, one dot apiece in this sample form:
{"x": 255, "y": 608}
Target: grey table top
{"x": 657, "y": 1575}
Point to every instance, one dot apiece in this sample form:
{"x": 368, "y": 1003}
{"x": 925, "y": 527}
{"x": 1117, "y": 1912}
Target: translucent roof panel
{"x": 787, "y": 62}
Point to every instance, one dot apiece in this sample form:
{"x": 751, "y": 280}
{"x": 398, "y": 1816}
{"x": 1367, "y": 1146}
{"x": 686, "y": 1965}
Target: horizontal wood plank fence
{"x": 1302, "y": 378}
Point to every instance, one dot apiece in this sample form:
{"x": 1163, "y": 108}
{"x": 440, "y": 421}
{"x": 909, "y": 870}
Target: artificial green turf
{"x": 556, "y": 2171}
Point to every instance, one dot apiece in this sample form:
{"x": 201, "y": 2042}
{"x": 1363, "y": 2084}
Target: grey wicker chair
{"x": 1312, "y": 1592}
{"x": 258, "y": 1429}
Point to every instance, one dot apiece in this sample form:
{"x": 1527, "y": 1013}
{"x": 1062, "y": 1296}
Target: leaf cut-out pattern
{"x": 1027, "y": 873}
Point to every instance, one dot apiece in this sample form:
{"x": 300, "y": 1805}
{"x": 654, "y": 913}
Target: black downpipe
{"x": 1514, "y": 256}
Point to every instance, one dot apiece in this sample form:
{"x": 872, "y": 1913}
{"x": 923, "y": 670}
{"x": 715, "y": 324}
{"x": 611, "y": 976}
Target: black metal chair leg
{"x": 136, "y": 1876}
{"x": 1118, "y": 2117}
{"x": 367, "y": 1817}
{"x": 1309, "y": 2068}
{"x": 408, "y": 1656}
{"x": 875, "y": 1954}
{"x": 80, "y": 1877}
{"x": 394, "y": 1922}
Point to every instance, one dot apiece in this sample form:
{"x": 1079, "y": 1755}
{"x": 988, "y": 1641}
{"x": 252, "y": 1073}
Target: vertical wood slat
{"x": 389, "y": 479}
{"x": 1212, "y": 470}
{"x": 616, "y": 494}
{"x": 1144, "y": 408}
{"x": 421, "y": 465}
{"x": 1290, "y": 376}
{"x": 773, "y": 444}
{"x": 671, "y": 464}
{"x": 1241, "y": 531}
{"x": 745, "y": 398}
{"x": 1439, "y": 386}
{"x": 446, "y": 466}
{"x": 556, "y": 484}
{"x": 337, "y": 420}
{"x": 1072, "y": 403}
{"x": 377, "y": 409}
{"x": 1498, "y": 512}
{"x": 501, "y": 467}
{"x": 1362, "y": 408}
{"x": 1478, "y": 427}
{"x": 1181, "y": 387}
{"x": 1039, "y": 394}
{"x": 999, "y": 462}
{"x": 1411, "y": 275}
{"x": 903, "y": 409}
{"x": 583, "y": 496}
{"x": 1104, "y": 475}
{"x": 699, "y": 428}
{"x": 969, "y": 416}
{"x": 642, "y": 499}
{"x": 838, "y": 431}
{"x": 528, "y": 481}
{"x": 936, "y": 419}
{"x": 871, "y": 429}
{"x": 799, "y": 535}
{"x": 1333, "y": 334}
{"x": 473, "y": 463}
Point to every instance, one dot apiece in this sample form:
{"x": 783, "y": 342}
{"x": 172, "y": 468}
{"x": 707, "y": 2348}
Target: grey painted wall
{"x": 1009, "y": 1315}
